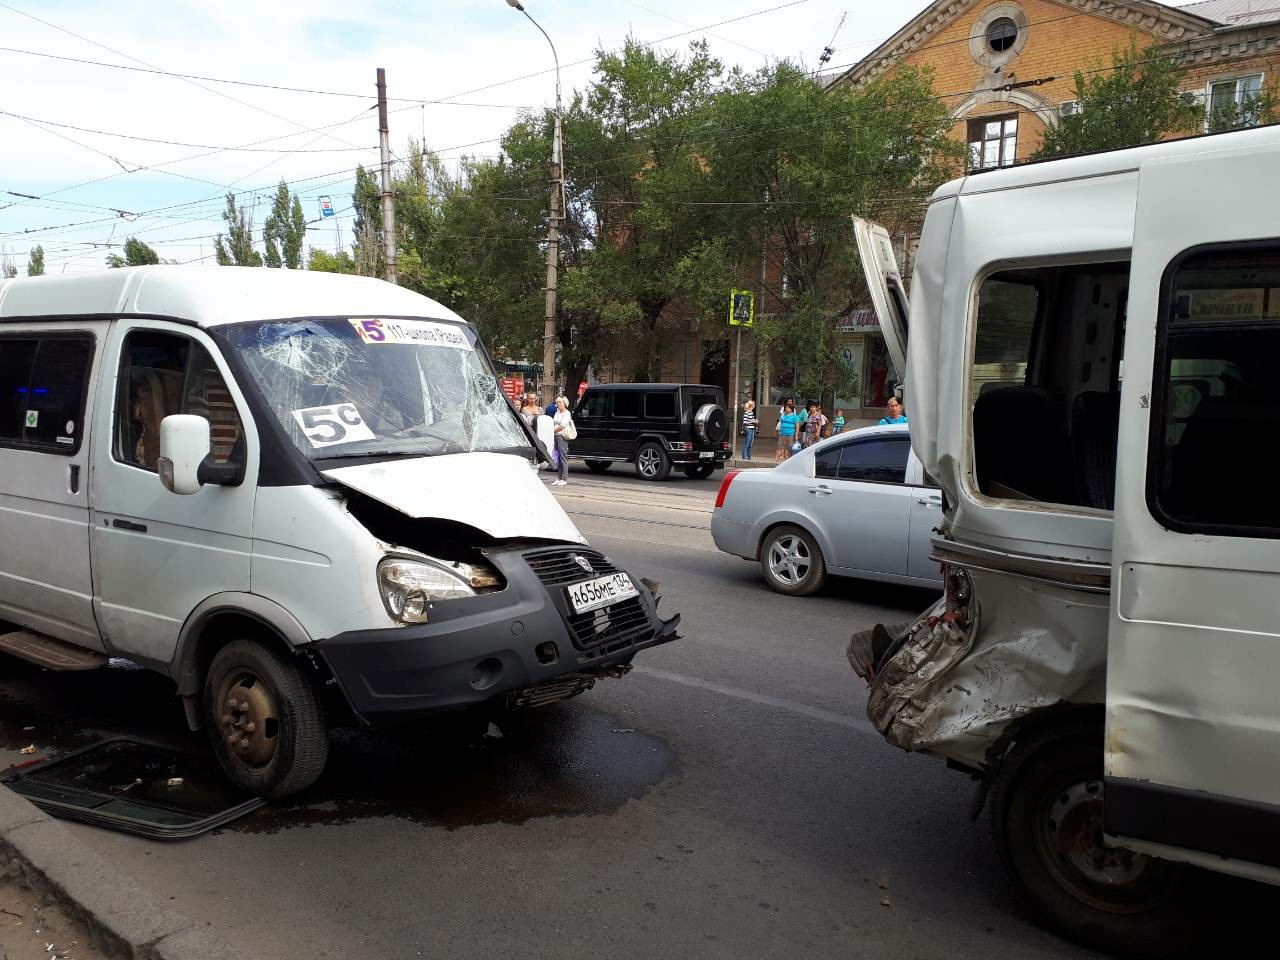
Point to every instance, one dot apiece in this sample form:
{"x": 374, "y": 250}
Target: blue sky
{"x": 171, "y": 196}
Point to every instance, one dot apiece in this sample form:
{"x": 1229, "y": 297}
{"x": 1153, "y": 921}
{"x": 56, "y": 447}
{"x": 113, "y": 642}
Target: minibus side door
{"x": 1192, "y": 753}
{"x": 156, "y": 554}
{"x": 49, "y": 373}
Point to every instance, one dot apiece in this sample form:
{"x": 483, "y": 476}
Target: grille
{"x": 601, "y": 632}
{"x": 557, "y": 567}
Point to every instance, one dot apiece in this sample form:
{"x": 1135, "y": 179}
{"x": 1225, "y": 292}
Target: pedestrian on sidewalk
{"x": 893, "y": 412}
{"x": 814, "y": 425}
{"x": 530, "y": 410}
{"x": 787, "y": 424}
{"x": 564, "y": 431}
{"x": 749, "y": 423}
{"x": 837, "y": 425}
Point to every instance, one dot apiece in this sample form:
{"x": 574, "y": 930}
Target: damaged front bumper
{"x": 996, "y": 649}
{"x": 523, "y": 643}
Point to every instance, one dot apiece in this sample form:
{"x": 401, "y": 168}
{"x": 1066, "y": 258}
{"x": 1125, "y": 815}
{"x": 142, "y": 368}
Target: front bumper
{"x": 476, "y": 649}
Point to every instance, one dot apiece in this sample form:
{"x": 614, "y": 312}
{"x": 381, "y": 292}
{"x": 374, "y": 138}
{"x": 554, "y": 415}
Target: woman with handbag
{"x": 564, "y": 432}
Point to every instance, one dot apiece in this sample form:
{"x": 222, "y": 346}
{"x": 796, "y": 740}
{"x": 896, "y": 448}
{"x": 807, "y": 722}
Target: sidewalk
{"x": 762, "y": 454}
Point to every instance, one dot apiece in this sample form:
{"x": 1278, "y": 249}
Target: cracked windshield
{"x": 365, "y": 387}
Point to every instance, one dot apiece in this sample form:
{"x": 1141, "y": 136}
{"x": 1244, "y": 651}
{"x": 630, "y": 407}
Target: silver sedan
{"x": 858, "y": 504}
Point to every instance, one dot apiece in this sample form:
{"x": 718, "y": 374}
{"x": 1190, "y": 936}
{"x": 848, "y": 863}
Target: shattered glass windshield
{"x": 370, "y": 387}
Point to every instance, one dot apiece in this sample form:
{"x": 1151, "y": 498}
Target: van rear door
{"x": 884, "y": 283}
{"x": 1193, "y": 720}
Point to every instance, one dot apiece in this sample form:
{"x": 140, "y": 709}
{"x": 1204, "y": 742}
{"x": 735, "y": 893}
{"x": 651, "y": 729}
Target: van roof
{"x": 1103, "y": 162}
{"x": 211, "y": 296}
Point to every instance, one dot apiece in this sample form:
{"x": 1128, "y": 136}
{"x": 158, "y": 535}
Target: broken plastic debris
{"x": 493, "y": 733}
{"x": 28, "y": 749}
{"x": 885, "y": 902}
{"x": 173, "y": 782}
{"x": 28, "y": 728}
{"x": 624, "y": 729}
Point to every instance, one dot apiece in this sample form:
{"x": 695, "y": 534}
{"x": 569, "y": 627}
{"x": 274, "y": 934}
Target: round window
{"x": 1001, "y": 34}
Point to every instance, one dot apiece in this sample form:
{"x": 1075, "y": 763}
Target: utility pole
{"x": 388, "y": 205}
{"x": 555, "y": 212}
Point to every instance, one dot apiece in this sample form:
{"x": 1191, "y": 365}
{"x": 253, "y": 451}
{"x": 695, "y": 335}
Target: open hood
{"x": 888, "y": 295}
{"x": 496, "y": 493}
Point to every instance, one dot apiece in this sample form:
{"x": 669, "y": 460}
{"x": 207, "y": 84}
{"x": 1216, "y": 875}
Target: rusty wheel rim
{"x": 249, "y": 720}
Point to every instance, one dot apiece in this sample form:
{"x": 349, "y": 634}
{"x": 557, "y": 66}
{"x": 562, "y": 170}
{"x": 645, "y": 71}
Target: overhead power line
{"x": 156, "y": 71}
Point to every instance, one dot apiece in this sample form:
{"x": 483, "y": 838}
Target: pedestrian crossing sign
{"x": 742, "y": 308}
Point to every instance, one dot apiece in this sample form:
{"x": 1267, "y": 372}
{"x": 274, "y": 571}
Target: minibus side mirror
{"x": 184, "y": 447}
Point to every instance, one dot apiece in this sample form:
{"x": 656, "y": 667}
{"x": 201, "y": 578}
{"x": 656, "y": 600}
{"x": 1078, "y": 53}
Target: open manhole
{"x": 136, "y": 787}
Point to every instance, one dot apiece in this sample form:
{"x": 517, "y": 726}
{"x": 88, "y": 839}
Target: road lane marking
{"x": 661, "y": 523}
{"x": 802, "y": 709}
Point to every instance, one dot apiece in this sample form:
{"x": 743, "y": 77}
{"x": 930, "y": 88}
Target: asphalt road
{"x": 726, "y": 799}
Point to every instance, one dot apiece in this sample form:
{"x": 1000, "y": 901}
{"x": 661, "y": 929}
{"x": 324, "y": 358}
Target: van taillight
{"x": 724, "y": 487}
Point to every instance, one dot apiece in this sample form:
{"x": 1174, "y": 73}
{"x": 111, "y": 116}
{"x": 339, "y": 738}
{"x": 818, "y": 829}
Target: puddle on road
{"x": 560, "y": 761}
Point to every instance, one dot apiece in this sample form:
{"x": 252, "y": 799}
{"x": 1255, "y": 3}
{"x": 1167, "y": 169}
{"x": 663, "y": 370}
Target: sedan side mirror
{"x": 184, "y": 445}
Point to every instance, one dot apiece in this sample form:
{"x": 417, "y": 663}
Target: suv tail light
{"x": 724, "y": 487}
{"x": 726, "y": 445}
{"x": 679, "y": 445}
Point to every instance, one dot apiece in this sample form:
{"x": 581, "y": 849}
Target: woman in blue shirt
{"x": 787, "y": 425}
{"x": 894, "y": 413}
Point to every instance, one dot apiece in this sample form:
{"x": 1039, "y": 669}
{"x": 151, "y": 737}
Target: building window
{"x": 993, "y": 142}
{"x": 1234, "y": 102}
{"x": 1001, "y": 34}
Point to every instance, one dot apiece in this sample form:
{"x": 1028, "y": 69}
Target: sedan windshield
{"x": 369, "y": 387}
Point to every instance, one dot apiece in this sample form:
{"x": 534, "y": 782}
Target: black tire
{"x": 294, "y": 732}
{"x": 652, "y": 462}
{"x": 804, "y": 573}
{"x": 1046, "y": 814}
{"x": 699, "y": 471}
{"x": 598, "y": 466}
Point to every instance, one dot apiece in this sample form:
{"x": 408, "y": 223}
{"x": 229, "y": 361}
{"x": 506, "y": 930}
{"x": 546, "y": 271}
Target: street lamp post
{"x": 555, "y": 213}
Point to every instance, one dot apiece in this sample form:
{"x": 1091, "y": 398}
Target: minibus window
{"x": 42, "y": 388}
{"x": 1216, "y": 394}
{"x": 1043, "y": 383}
{"x": 163, "y": 374}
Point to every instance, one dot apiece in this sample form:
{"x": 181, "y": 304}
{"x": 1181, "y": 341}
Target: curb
{"x": 122, "y": 917}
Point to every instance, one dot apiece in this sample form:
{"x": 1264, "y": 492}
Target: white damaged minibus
{"x": 301, "y": 496}
{"x": 1091, "y": 353}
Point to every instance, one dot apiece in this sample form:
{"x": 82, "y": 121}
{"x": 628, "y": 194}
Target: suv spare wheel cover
{"x": 711, "y": 422}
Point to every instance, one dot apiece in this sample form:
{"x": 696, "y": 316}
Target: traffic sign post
{"x": 742, "y": 313}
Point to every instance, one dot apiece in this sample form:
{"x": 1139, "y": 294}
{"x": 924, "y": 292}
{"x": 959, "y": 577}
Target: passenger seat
{"x": 1019, "y": 443}
{"x": 1095, "y": 427}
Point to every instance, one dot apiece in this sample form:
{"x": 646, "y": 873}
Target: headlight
{"x": 408, "y": 587}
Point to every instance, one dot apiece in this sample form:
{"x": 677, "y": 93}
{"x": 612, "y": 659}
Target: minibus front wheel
{"x": 1046, "y": 814}
{"x": 265, "y": 720}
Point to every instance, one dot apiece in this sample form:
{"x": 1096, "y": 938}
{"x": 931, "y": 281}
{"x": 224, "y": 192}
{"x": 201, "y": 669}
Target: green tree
{"x": 136, "y": 254}
{"x": 237, "y": 248}
{"x": 367, "y": 250}
{"x": 1137, "y": 101}
{"x": 793, "y": 164}
{"x": 8, "y": 269}
{"x": 326, "y": 262}
{"x": 35, "y": 262}
{"x": 284, "y": 230}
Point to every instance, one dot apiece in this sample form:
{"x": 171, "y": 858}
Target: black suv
{"x": 656, "y": 426}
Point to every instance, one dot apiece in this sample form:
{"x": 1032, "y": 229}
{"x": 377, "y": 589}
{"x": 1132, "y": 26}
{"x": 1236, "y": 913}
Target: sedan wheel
{"x": 791, "y": 562}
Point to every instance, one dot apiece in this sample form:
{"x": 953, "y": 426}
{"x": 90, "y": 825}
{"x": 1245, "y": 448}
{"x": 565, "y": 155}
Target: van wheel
{"x": 792, "y": 562}
{"x": 699, "y": 471}
{"x": 264, "y": 720}
{"x": 598, "y": 466}
{"x": 1046, "y": 813}
{"x": 652, "y": 462}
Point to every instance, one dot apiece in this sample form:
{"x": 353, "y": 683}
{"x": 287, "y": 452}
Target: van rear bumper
{"x": 477, "y": 649}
